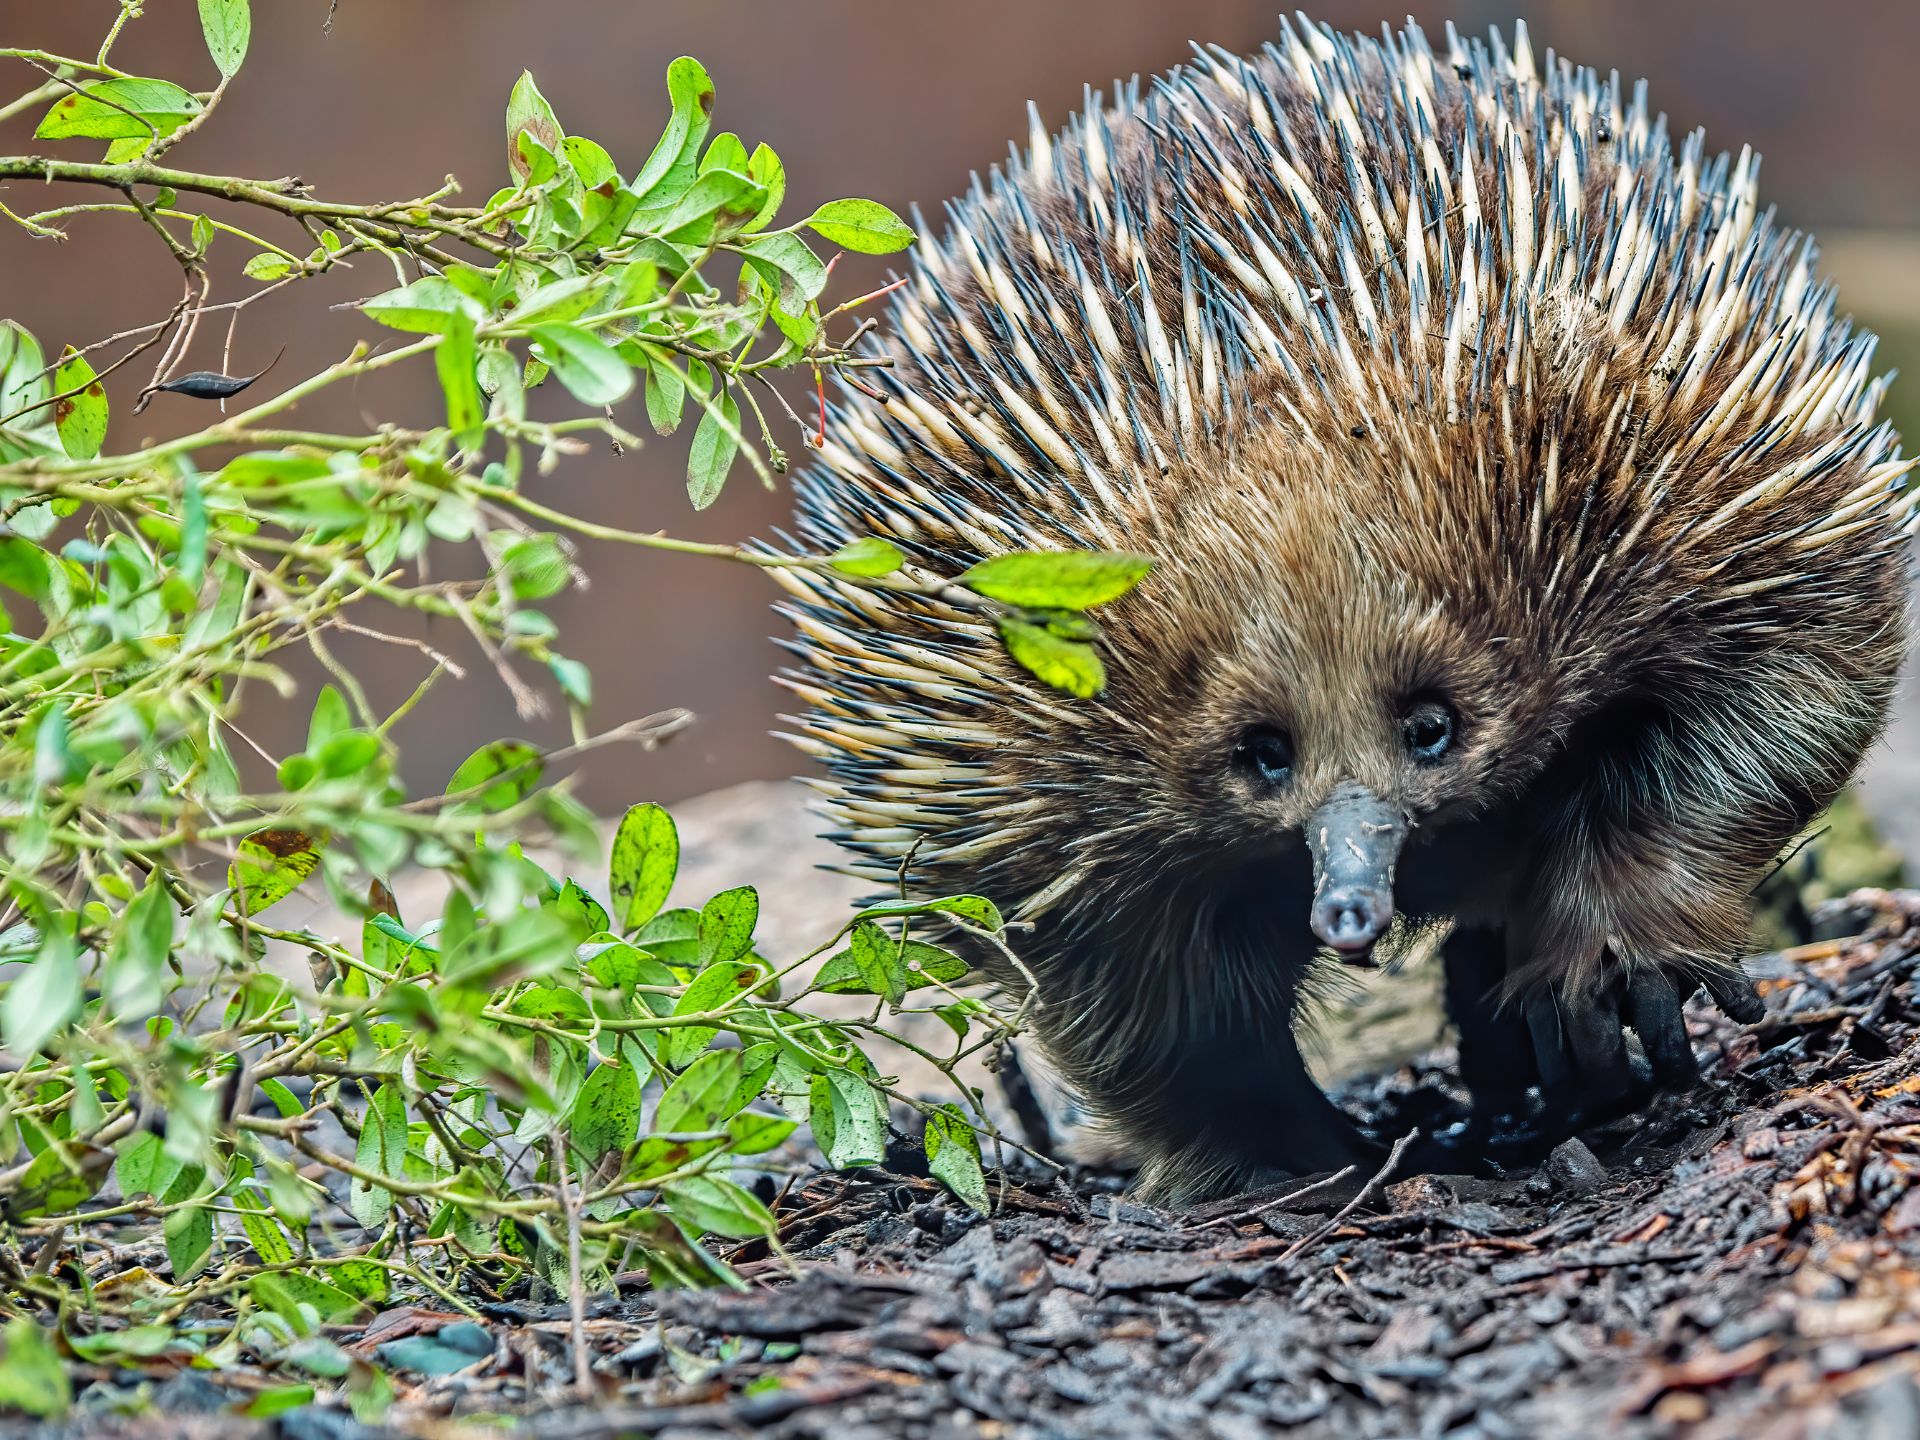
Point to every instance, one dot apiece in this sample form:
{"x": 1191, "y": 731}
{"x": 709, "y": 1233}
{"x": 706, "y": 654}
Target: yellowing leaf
{"x": 81, "y": 416}
{"x": 1070, "y": 665}
{"x": 646, "y": 853}
{"x": 270, "y": 865}
{"x": 1057, "y": 579}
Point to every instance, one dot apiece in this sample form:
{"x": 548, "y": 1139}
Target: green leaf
{"x": 347, "y": 754}
{"x": 131, "y": 108}
{"x": 41, "y": 999}
{"x": 606, "y": 1114}
{"x": 1057, "y": 579}
{"x": 715, "y": 207}
{"x": 864, "y": 969}
{"x": 590, "y": 162}
{"x": 646, "y": 855}
{"x": 586, "y": 364}
{"x": 726, "y": 925}
{"x": 188, "y": 1233}
{"x": 876, "y": 959}
{"x": 848, "y": 1119}
{"x": 228, "y": 26}
{"x": 671, "y": 167}
{"x": 137, "y": 962}
{"x": 866, "y": 226}
{"x": 278, "y": 1399}
{"x": 976, "y": 910}
{"x": 456, "y": 359}
{"x": 431, "y": 305}
{"x": 574, "y": 679}
{"x": 270, "y": 865}
{"x": 332, "y": 1302}
{"x": 751, "y": 1133}
{"x": 382, "y": 1150}
{"x": 81, "y": 417}
{"x": 953, "y": 1155}
{"x": 32, "y": 1379}
{"x": 787, "y": 263}
{"x": 560, "y": 301}
{"x": 724, "y": 152}
{"x": 284, "y": 1100}
{"x": 535, "y": 567}
{"x": 764, "y": 167}
{"x": 716, "y": 440}
{"x": 267, "y": 266}
{"x": 517, "y": 764}
{"x": 1070, "y": 665}
{"x": 136, "y": 1342}
{"x": 24, "y": 390}
{"x": 58, "y": 1182}
{"x": 666, "y": 396}
{"x": 269, "y": 1241}
{"x": 574, "y": 903}
{"x": 142, "y": 1167}
{"x": 714, "y": 989}
{"x": 330, "y": 717}
{"x": 716, "y": 1087}
{"x": 712, "y": 1206}
{"x": 528, "y": 113}
{"x": 869, "y": 556}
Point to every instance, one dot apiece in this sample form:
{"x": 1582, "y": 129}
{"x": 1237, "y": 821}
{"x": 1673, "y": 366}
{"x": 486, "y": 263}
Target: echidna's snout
{"x": 1355, "y": 838}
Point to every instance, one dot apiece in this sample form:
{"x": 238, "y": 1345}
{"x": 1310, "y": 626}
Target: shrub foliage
{"x": 547, "y": 1077}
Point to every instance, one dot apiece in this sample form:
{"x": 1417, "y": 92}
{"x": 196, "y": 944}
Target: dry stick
{"x": 1339, "y": 1216}
{"x": 576, "y": 1296}
{"x": 1233, "y": 1221}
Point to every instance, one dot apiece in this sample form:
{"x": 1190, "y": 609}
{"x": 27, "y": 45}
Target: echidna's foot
{"x": 1496, "y": 1047}
{"x": 1571, "y": 1042}
{"x": 1588, "y": 1072}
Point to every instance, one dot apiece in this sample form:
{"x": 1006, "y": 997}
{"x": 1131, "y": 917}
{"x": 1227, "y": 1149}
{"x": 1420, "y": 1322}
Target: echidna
{"x": 1528, "y": 554}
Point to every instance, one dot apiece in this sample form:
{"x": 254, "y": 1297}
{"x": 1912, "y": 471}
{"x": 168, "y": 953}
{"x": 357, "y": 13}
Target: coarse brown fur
{"x": 1571, "y": 441}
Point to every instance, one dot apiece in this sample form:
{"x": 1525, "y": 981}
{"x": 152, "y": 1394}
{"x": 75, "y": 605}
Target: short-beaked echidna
{"x": 1528, "y": 553}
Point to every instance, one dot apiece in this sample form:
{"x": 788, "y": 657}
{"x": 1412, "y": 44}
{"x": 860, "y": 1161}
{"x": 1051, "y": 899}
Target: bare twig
{"x": 576, "y": 1290}
{"x": 1241, "y": 1217}
{"x": 1339, "y": 1217}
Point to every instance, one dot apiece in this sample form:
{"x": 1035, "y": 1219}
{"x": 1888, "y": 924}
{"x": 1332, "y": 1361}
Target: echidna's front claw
{"x": 1652, "y": 1008}
{"x": 1588, "y": 1073}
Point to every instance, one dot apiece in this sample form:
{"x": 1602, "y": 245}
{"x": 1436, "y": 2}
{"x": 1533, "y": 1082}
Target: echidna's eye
{"x": 1267, "y": 754}
{"x": 1428, "y": 729}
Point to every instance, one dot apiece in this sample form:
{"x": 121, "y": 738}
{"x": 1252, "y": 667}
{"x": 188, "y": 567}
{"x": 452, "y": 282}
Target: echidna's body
{"x": 1513, "y": 486}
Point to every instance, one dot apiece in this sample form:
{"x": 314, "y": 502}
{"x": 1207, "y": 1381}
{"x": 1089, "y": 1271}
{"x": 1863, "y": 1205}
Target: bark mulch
{"x": 1743, "y": 1261}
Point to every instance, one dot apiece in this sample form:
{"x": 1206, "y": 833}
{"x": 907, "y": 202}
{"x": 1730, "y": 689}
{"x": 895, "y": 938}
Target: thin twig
{"x": 1339, "y": 1217}
{"x": 1236, "y": 1220}
{"x": 576, "y": 1292}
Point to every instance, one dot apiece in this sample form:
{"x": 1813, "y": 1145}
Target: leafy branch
{"x": 472, "y": 1084}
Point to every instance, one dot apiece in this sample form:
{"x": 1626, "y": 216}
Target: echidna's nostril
{"x": 1351, "y": 919}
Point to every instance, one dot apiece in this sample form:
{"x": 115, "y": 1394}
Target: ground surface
{"x": 1741, "y": 1262}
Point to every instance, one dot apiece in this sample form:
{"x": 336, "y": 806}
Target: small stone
{"x": 1547, "y": 1310}
{"x": 1572, "y": 1166}
{"x": 1680, "y": 1407}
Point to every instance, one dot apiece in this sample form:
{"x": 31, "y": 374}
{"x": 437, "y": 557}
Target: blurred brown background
{"x": 899, "y": 102}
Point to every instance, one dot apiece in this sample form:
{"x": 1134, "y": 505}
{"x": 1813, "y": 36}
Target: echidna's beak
{"x": 1355, "y": 838}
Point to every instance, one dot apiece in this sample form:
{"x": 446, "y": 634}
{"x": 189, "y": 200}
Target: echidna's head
{"x": 1329, "y": 679}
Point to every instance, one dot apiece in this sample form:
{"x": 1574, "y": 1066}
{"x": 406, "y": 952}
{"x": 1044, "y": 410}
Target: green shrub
{"x": 474, "y": 1079}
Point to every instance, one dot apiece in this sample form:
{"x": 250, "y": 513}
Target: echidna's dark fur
{"x": 1419, "y": 374}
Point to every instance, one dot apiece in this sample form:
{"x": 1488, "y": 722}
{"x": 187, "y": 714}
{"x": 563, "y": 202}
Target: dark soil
{"x": 1743, "y": 1261}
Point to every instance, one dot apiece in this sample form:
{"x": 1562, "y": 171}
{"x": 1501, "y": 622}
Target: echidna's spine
{"x": 1439, "y": 254}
